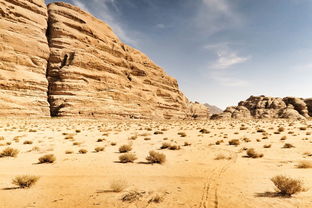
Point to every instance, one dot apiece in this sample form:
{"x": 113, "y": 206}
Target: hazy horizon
{"x": 220, "y": 51}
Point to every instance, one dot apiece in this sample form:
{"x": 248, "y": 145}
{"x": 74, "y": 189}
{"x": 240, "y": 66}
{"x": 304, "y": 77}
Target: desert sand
{"x": 200, "y": 174}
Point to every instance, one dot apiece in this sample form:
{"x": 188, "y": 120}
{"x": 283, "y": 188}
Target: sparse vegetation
{"x": 118, "y": 185}
{"x": 253, "y": 154}
{"x": 125, "y": 148}
{"x": 99, "y": 149}
{"x": 127, "y": 158}
{"x": 25, "y": 181}
{"x": 234, "y": 142}
{"x": 49, "y": 158}
{"x": 156, "y": 157}
{"x": 287, "y": 186}
{"x": 9, "y": 152}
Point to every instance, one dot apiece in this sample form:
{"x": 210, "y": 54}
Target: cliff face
{"x": 90, "y": 72}
{"x": 269, "y": 107}
{"x": 24, "y": 52}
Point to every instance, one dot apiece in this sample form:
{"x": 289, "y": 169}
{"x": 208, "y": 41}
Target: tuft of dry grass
{"x": 288, "y": 145}
{"x": 49, "y": 158}
{"x": 125, "y": 148}
{"x": 127, "y": 158}
{"x": 287, "y": 186}
{"x": 99, "y": 149}
{"x": 132, "y": 196}
{"x": 251, "y": 153}
{"x": 83, "y": 151}
{"x": 118, "y": 185}
{"x": 25, "y": 181}
{"x": 27, "y": 142}
{"x": 304, "y": 164}
{"x": 156, "y": 157}
{"x": 9, "y": 152}
{"x": 235, "y": 142}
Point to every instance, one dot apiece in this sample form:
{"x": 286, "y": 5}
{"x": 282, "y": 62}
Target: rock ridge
{"x": 59, "y": 60}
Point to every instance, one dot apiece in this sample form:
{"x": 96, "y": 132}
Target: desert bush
{"x": 174, "y": 147}
{"x": 25, "y": 181}
{"x": 267, "y": 146}
{"x": 182, "y": 134}
{"x": 158, "y": 132}
{"x": 132, "y": 196}
{"x": 83, "y": 151}
{"x": 253, "y": 154}
{"x": 99, "y": 149}
{"x": 222, "y": 157}
{"x": 303, "y": 128}
{"x": 287, "y": 186}
{"x": 304, "y": 164}
{"x": 234, "y": 142}
{"x": 156, "y": 157}
{"x": 127, "y": 158}
{"x": 281, "y": 129}
{"x": 49, "y": 158}
{"x": 246, "y": 140}
{"x": 125, "y": 148}
{"x": 118, "y": 185}
{"x": 157, "y": 198}
{"x": 204, "y": 131}
{"x": 165, "y": 145}
{"x": 113, "y": 143}
{"x": 27, "y": 142}
{"x": 9, "y": 152}
{"x": 288, "y": 145}
{"x": 69, "y": 152}
{"x": 100, "y": 140}
{"x": 283, "y": 138}
{"x": 187, "y": 144}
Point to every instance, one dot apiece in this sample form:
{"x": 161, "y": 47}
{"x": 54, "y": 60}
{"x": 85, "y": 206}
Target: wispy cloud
{"x": 106, "y": 10}
{"x": 216, "y": 15}
{"x": 226, "y": 59}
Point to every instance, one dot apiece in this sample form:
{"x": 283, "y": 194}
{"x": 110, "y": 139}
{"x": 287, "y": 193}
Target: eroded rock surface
{"x": 269, "y": 107}
{"x": 24, "y": 53}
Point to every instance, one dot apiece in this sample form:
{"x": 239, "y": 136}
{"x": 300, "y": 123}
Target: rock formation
{"x": 24, "y": 53}
{"x": 90, "y": 72}
{"x": 269, "y": 107}
{"x": 213, "y": 109}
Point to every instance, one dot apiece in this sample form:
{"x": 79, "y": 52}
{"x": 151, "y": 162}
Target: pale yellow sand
{"x": 191, "y": 177}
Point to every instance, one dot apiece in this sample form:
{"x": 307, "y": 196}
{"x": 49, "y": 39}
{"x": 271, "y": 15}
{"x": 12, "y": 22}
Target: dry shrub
{"x": 118, "y": 185}
{"x": 253, "y": 154}
{"x": 267, "y": 146}
{"x": 157, "y": 198}
{"x": 125, "y": 148}
{"x": 99, "y": 149}
{"x": 158, "y": 132}
{"x": 83, "y": 151}
{"x": 127, "y": 158}
{"x": 304, "y": 164}
{"x": 9, "y": 152}
{"x": 182, "y": 134}
{"x": 69, "y": 152}
{"x": 156, "y": 157}
{"x": 235, "y": 142}
{"x": 165, "y": 145}
{"x": 27, "y": 142}
{"x": 25, "y": 181}
{"x": 222, "y": 157}
{"x": 288, "y": 145}
{"x": 287, "y": 186}
{"x": 204, "y": 131}
{"x": 49, "y": 158}
{"x": 132, "y": 196}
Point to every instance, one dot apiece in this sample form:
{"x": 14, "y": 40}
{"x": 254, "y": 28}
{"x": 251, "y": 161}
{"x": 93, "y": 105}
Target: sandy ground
{"x": 190, "y": 177}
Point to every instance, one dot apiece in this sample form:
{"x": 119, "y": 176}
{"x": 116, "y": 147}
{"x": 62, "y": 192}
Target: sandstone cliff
{"x": 269, "y": 107}
{"x": 90, "y": 72}
{"x": 24, "y": 53}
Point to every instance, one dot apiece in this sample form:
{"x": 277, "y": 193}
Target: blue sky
{"x": 220, "y": 51}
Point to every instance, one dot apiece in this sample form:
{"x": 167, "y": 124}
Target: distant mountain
{"x": 213, "y": 109}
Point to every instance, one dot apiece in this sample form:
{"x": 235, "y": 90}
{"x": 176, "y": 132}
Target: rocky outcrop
{"x": 62, "y": 61}
{"x": 213, "y": 109}
{"x": 269, "y": 107}
{"x": 24, "y": 53}
{"x": 92, "y": 73}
